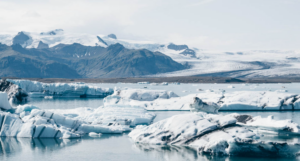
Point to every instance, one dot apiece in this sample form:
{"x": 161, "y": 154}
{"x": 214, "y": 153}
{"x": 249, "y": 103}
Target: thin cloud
{"x": 202, "y": 2}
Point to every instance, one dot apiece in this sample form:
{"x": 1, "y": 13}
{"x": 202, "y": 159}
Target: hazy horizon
{"x": 207, "y": 24}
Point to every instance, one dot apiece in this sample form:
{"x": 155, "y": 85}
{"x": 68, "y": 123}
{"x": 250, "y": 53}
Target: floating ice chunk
{"x": 269, "y": 123}
{"x": 36, "y": 123}
{"x": 38, "y": 89}
{"x": 199, "y": 105}
{"x": 210, "y": 134}
{"x": 281, "y": 90}
{"x": 93, "y": 134}
{"x": 126, "y": 115}
{"x": 164, "y": 83}
{"x": 48, "y": 97}
{"x": 209, "y": 90}
{"x": 230, "y": 87}
{"x": 256, "y": 100}
{"x": 173, "y": 103}
{"x": 144, "y": 95}
{"x": 25, "y": 108}
{"x": 143, "y": 83}
{"x": 4, "y": 104}
{"x": 14, "y": 92}
{"x": 238, "y": 100}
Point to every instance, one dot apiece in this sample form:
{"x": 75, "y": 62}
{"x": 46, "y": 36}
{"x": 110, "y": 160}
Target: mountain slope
{"x": 76, "y": 60}
{"x": 14, "y": 63}
{"x": 117, "y": 61}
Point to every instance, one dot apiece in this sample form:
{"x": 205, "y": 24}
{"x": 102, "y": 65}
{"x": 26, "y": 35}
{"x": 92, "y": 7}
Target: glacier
{"x": 38, "y": 89}
{"x": 214, "y": 135}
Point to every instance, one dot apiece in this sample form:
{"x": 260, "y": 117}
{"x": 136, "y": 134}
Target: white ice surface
{"x": 270, "y": 124}
{"x": 38, "y": 89}
{"x": 4, "y": 104}
{"x": 30, "y": 121}
{"x": 211, "y": 134}
{"x": 238, "y": 100}
{"x": 144, "y": 94}
{"x": 114, "y": 114}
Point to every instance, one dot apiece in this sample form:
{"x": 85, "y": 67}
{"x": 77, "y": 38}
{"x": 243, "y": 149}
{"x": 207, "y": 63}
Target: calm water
{"x": 119, "y": 146}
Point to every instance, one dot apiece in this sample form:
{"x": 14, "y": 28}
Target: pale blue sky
{"x": 208, "y": 24}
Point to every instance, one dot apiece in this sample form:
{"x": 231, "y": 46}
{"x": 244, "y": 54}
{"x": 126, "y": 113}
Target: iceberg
{"x": 144, "y": 95}
{"x": 14, "y": 92}
{"x": 218, "y": 100}
{"x": 110, "y": 115}
{"x": 167, "y": 103}
{"x": 38, "y": 89}
{"x": 211, "y": 134}
{"x": 268, "y": 124}
{"x": 29, "y": 121}
{"x": 4, "y": 104}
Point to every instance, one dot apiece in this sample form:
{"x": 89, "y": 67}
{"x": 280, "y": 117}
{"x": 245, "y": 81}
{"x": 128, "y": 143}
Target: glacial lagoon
{"x": 120, "y": 146}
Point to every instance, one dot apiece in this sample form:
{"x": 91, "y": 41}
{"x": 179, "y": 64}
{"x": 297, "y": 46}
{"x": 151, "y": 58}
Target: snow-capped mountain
{"x": 55, "y": 54}
{"x": 249, "y": 64}
{"x": 58, "y": 36}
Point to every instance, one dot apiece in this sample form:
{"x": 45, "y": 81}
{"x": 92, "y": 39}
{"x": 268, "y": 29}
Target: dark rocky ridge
{"x": 101, "y": 40}
{"x": 177, "y": 47}
{"x": 186, "y": 52}
{"x": 42, "y": 45}
{"x": 20, "y": 38}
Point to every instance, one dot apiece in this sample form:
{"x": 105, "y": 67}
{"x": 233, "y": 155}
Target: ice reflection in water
{"x": 12, "y": 145}
{"x": 176, "y": 153}
{"x": 120, "y": 147}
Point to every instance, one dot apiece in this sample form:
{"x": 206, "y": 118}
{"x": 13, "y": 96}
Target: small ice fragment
{"x": 48, "y": 97}
{"x": 164, "y": 83}
{"x": 93, "y": 134}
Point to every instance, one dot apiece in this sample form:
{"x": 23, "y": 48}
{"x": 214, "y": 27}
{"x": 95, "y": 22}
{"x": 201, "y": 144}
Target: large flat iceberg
{"x": 214, "y": 101}
{"x": 38, "y": 89}
{"x": 30, "y": 121}
{"x": 214, "y": 135}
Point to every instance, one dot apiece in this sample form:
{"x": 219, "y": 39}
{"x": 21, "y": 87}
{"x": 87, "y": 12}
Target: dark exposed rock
{"x": 118, "y": 61}
{"x": 177, "y": 47}
{"x": 101, "y": 40}
{"x": 54, "y": 32}
{"x": 42, "y": 45}
{"x": 14, "y": 92}
{"x": 189, "y": 52}
{"x": 243, "y": 118}
{"x": 113, "y": 36}
{"x": 77, "y": 61}
{"x": 21, "y": 38}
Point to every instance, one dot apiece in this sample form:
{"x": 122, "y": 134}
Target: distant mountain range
{"x": 56, "y": 54}
{"x": 79, "y": 61}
